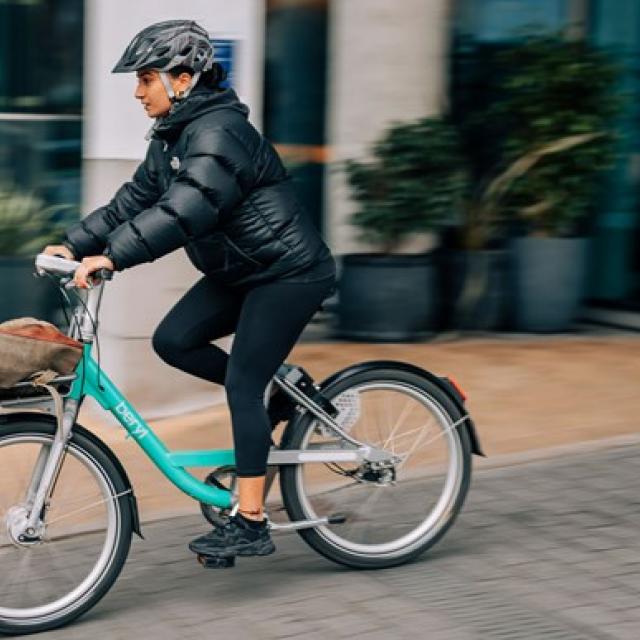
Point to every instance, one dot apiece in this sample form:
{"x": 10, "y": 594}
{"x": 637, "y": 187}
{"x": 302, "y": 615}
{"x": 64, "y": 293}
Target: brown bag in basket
{"x": 28, "y": 346}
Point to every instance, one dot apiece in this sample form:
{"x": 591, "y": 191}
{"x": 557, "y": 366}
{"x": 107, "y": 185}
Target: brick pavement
{"x": 543, "y": 550}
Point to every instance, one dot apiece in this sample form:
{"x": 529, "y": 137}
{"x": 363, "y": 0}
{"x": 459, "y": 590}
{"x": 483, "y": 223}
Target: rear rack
{"x": 24, "y": 393}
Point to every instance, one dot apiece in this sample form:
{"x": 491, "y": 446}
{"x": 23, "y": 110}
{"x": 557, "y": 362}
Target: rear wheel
{"x": 395, "y": 512}
{"x": 66, "y": 566}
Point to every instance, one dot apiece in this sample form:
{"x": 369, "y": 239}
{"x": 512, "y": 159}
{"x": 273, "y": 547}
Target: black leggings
{"x": 267, "y": 320}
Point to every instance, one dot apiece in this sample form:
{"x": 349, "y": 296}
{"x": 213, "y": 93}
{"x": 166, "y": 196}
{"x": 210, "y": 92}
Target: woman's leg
{"x": 206, "y": 312}
{"x": 271, "y": 320}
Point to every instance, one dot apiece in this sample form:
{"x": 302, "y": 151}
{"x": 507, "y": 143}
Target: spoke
{"x": 334, "y": 490}
{"x": 17, "y": 497}
{"x": 415, "y": 446}
{"x": 365, "y": 414}
{"x": 406, "y": 434}
{"x": 370, "y": 501}
{"x": 5, "y": 576}
{"x": 90, "y": 506}
{"x": 61, "y": 568}
{"x": 378, "y": 415}
{"x": 7, "y": 500}
{"x": 58, "y": 503}
{"x": 363, "y": 518}
{"x": 401, "y": 419}
{"x": 42, "y": 591}
{"x": 379, "y": 429}
{"x": 5, "y": 543}
{"x": 21, "y": 571}
{"x": 444, "y": 431}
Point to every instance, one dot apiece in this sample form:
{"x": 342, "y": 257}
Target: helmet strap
{"x": 164, "y": 76}
{"x": 166, "y": 81}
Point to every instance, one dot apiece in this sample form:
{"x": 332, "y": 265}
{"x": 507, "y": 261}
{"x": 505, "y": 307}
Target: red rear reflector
{"x": 457, "y": 387}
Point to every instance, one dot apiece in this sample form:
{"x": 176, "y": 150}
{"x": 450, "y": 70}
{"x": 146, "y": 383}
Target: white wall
{"x": 114, "y": 129}
{"x": 115, "y": 124}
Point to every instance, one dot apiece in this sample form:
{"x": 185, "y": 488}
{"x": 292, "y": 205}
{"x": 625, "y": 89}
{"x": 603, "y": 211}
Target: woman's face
{"x": 151, "y": 92}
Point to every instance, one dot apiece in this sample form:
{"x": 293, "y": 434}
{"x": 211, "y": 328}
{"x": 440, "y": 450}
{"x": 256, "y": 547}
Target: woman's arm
{"x": 214, "y": 177}
{"x": 89, "y": 236}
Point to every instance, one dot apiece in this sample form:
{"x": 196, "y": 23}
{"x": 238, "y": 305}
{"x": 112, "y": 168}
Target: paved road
{"x": 542, "y": 550}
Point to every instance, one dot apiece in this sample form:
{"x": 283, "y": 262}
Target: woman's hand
{"x": 58, "y": 250}
{"x": 88, "y": 266}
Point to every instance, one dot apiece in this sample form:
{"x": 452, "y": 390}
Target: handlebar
{"x": 62, "y": 267}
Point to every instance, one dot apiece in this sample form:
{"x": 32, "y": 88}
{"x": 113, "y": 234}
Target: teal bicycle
{"x": 374, "y": 468}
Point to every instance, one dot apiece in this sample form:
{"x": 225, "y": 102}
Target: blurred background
{"x": 473, "y": 164}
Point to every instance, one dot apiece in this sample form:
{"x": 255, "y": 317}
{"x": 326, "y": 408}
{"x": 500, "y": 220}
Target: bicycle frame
{"x": 91, "y": 381}
{"x": 95, "y": 383}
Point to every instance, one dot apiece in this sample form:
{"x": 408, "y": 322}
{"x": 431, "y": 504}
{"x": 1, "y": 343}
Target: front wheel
{"x": 70, "y": 562}
{"x": 393, "y": 513}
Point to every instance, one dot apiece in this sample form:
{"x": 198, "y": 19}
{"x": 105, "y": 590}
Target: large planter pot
{"x": 22, "y": 294}
{"x": 475, "y": 290}
{"x": 549, "y": 277}
{"x": 387, "y": 297}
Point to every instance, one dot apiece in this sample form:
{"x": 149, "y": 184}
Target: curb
{"x": 549, "y": 453}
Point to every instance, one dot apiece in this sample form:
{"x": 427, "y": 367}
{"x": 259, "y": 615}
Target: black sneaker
{"x": 236, "y": 538}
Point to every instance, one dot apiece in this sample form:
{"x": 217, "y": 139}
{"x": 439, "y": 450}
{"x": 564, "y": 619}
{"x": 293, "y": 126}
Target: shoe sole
{"x": 265, "y": 549}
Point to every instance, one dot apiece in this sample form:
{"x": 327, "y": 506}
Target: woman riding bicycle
{"x": 211, "y": 183}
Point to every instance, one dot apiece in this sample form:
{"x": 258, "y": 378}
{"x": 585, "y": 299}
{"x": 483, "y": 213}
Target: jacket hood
{"x": 200, "y": 101}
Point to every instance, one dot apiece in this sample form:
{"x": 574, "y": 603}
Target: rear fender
{"x": 443, "y": 383}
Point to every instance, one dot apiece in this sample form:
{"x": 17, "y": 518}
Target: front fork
{"x": 47, "y": 469}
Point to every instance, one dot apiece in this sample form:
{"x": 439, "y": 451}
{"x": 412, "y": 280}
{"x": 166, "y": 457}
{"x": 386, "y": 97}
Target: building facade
{"x": 323, "y": 79}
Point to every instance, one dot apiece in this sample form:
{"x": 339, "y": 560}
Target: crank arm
{"x": 336, "y": 518}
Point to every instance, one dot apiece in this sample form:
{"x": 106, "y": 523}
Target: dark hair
{"x": 211, "y": 78}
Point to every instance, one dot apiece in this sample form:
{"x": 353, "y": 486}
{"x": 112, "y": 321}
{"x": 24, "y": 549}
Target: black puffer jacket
{"x": 213, "y": 184}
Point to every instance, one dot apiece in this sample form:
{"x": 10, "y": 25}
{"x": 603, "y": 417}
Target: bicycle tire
{"x": 89, "y": 453}
{"x": 297, "y": 504}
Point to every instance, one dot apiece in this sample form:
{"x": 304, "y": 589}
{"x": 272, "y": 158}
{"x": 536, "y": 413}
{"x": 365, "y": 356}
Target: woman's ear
{"x": 185, "y": 81}
{"x": 182, "y": 83}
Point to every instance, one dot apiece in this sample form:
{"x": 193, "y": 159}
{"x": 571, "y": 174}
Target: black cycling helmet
{"x": 166, "y": 45}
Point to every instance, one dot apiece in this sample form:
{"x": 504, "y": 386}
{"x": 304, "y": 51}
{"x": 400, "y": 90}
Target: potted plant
{"x": 413, "y": 184}
{"x": 476, "y": 270}
{"x": 558, "y": 105}
{"x": 27, "y": 225}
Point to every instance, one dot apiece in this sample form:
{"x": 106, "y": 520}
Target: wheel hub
{"x": 379, "y": 474}
{"x": 18, "y": 530}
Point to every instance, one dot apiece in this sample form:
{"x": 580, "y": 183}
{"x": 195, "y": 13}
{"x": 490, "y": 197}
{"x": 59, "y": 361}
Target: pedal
{"x": 217, "y": 562}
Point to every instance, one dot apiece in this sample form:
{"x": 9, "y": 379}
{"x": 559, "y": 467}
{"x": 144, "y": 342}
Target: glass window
{"x": 499, "y": 20}
{"x": 41, "y": 56}
{"x": 41, "y": 50}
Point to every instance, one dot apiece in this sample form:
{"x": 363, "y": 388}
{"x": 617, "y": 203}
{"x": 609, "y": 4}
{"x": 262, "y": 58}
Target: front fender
{"x": 441, "y": 382}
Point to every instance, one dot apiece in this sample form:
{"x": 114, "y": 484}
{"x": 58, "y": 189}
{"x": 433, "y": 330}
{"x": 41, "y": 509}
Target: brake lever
{"x": 94, "y": 279}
